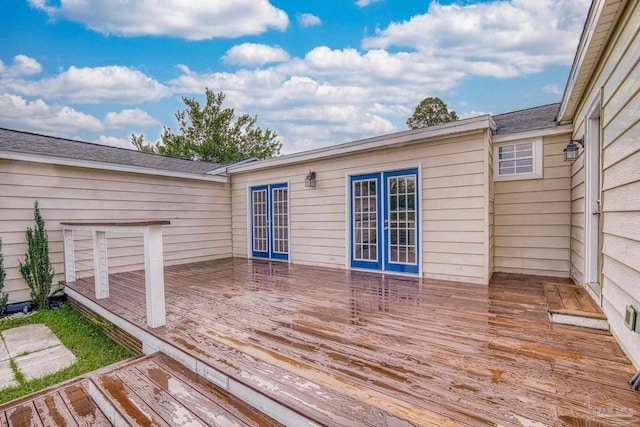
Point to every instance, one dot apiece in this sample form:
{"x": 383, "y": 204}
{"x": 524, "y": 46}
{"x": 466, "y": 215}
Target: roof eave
{"x": 63, "y": 161}
{"x": 594, "y": 30}
{"x": 534, "y": 133}
{"x": 395, "y": 139}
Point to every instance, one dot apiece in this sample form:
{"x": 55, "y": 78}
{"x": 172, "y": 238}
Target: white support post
{"x": 69, "y": 256}
{"x": 154, "y": 276}
{"x": 100, "y": 264}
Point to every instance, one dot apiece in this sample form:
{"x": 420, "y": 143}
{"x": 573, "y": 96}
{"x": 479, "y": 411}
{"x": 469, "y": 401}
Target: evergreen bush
{"x": 36, "y": 269}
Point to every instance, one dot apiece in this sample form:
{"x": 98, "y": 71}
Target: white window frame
{"x": 536, "y": 173}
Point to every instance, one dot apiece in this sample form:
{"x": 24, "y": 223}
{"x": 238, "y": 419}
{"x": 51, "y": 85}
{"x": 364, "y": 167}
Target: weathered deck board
{"x": 82, "y": 408}
{"x": 53, "y": 411}
{"x": 361, "y": 348}
{"x": 572, "y": 300}
{"x": 146, "y": 391}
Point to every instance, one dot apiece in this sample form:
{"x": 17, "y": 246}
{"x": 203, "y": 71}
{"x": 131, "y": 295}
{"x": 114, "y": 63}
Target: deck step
{"x": 152, "y": 390}
{"x": 70, "y": 404}
{"x": 571, "y": 305}
{"x": 160, "y": 391}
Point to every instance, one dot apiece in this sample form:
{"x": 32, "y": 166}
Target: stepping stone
{"x": 29, "y": 338}
{"x": 44, "y": 362}
{"x": 6, "y": 375}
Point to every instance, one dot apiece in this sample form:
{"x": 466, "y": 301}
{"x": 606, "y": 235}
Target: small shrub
{"x": 36, "y": 269}
{"x": 4, "y": 297}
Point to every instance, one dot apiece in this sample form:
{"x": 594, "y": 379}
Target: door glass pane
{"x": 279, "y": 201}
{"x": 402, "y": 225}
{"x": 259, "y": 209}
{"x": 365, "y": 226}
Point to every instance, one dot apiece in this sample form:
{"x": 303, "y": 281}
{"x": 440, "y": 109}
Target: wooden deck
{"x": 355, "y": 348}
{"x": 147, "y": 391}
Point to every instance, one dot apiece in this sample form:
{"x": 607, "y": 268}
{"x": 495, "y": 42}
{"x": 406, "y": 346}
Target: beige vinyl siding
{"x": 616, "y": 82}
{"x": 452, "y": 205}
{"x": 578, "y": 203}
{"x": 199, "y": 213}
{"x": 491, "y": 208}
{"x": 532, "y": 218}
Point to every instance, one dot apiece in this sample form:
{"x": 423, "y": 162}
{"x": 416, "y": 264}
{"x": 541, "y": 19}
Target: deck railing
{"x": 153, "y": 260}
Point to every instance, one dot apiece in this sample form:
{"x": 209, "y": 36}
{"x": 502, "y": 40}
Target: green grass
{"x": 92, "y": 348}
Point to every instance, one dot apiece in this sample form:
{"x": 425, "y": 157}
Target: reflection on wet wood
{"x": 354, "y": 348}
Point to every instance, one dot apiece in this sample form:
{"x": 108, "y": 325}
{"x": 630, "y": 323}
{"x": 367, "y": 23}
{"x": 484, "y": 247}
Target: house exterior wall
{"x": 490, "y": 194}
{"x": 532, "y": 218}
{"x": 453, "y": 173}
{"x": 616, "y": 83}
{"x": 200, "y": 215}
{"x": 578, "y": 203}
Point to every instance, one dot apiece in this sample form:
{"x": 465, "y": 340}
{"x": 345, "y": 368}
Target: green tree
{"x": 36, "y": 269}
{"x": 4, "y": 297}
{"x": 431, "y": 111}
{"x": 213, "y": 134}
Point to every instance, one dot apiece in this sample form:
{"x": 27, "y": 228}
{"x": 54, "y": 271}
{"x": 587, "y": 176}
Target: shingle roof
{"x": 25, "y": 142}
{"x": 529, "y": 119}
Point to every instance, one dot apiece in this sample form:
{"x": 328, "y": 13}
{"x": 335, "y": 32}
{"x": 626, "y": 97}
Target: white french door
{"x": 384, "y": 221}
{"x": 270, "y": 221}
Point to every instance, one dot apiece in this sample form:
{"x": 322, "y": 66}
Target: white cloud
{"x": 335, "y": 95}
{"x": 552, "y": 88}
{"x": 92, "y": 86}
{"x": 193, "y": 20}
{"x": 364, "y": 3}
{"x": 38, "y": 116}
{"x": 498, "y": 39}
{"x": 114, "y": 142}
{"x": 134, "y": 117}
{"x": 472, "y": 113}
{"x": 308, "y": 20}
{"x": 254, "y": 54}
{"x": 328, "y": 96}
{"x": 22, "y": 66}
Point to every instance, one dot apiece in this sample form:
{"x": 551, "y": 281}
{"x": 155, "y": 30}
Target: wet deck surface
{"x": 353, "y": 348}
{"x": 147, "y": 391}
{"x": 571, "y": 300}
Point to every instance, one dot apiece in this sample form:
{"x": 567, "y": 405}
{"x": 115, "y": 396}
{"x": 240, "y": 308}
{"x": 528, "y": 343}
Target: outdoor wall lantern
{"x": 310, "y": 180}
{"x": 571, "y": 151}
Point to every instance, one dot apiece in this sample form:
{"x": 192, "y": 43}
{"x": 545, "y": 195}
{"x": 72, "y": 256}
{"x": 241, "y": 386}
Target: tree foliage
{"x": 431, "y": 111}
{"x": 213, "y": 134}
{"x": 4, "y": 297}
{"x": 36, "y": 269}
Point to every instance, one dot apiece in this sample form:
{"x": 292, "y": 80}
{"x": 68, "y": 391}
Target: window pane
{"x": 524, "y": 146}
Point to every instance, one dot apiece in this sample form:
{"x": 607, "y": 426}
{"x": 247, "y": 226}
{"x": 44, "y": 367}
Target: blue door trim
{"x": 265, "y": 188}
{"x": 269, "y": 252}
{"x": 377, "y": 265}
{"x": 272, "y": 252}
{"x": 389, "y": 265}
{"x": 383, "y": 201}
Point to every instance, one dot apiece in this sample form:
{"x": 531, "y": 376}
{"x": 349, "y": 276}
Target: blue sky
{"x": 316, "y": 72}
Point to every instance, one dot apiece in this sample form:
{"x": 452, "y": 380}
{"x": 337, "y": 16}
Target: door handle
{"x": 595, "y": 213}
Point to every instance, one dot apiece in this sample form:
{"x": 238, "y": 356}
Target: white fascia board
{"x": 222, "y": 170}
{"x": 583, "y": 48}
{"x": 556, "y": 130}
{"x": 62, "y": 161}
{"x": 399, "y": 138}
